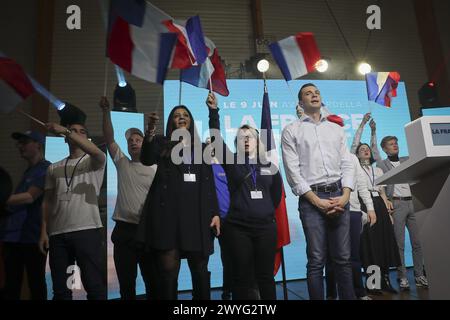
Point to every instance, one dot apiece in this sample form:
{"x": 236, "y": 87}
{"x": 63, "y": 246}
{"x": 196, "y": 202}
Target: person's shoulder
{"x": 292, "y": 126}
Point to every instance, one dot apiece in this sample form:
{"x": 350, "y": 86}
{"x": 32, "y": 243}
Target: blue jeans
{"x": 327, "y": 233}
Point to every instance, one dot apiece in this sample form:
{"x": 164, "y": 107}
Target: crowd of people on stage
{"x": 170, "y": 206}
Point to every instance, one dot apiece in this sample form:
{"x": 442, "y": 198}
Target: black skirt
{"x": 378, "y": 243}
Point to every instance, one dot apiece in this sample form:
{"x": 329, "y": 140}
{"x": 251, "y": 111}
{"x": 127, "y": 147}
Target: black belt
{"x": 332, "y": 187}
{"x": 402, "y": 198}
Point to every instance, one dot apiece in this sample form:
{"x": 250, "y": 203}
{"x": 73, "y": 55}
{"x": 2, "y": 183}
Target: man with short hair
{"x": 320, "y": 171}
{"x": 404, "y": 215}
{"x": 22, "y": 227}
{"x": 71, "y": 226}
{"x": 133, "y": 182}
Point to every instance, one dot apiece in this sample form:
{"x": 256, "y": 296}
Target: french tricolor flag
{"x": 190, "y": 44}
{"x": 382, "y": 86}
{"x": 296, "y": 55}
{"x": 15, "y": 85}
{"x": 138, "y": 42}
{"x": 210, "y": 72}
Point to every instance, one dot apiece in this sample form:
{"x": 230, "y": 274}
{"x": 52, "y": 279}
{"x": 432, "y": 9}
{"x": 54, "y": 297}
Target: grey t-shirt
{"x": 133, "y": 182}
{"x": 74, "y": 208}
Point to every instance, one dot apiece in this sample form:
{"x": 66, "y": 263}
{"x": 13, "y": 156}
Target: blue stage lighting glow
{"x": 120, "y": 77}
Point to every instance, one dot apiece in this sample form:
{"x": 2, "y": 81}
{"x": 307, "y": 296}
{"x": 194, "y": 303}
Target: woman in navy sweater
{"x": 249, "y": 229}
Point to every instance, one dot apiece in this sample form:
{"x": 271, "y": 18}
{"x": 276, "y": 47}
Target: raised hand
{"x": 211, "y": 101}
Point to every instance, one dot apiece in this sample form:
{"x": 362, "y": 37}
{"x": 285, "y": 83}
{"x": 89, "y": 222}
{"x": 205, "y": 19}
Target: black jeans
{"x": 127, "y": 257}
{"x": 227, "y": 267}
{"x": 355, "y": 236}
{"x": 252, "y": 251}
{"x": 20, "y": 256}
{"x": 87, "y": 249}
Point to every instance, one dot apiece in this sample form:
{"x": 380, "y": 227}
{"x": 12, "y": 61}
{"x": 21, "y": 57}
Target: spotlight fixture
{"x": 321, "y": 65}
{"x": 124, "y": 98}
{"x": 428, "y": 95}
{"x": 364, "y": 68}
{"x": 120, "y": 77}
{"x": 262, "y": 65}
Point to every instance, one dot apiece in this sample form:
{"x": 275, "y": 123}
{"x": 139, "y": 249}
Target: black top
{"x": 243, "y": 209}
{"x": 177, "y": 214}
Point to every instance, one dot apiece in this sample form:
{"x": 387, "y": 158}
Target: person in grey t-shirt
{"x": 133, "y": 182}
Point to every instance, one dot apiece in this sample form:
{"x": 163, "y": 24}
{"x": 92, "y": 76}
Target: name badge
{"x": 189, "y": 177}
{"x": 256, "y": 194}
{"x": 375, "y": 194}
{"x": 65, "y": 196}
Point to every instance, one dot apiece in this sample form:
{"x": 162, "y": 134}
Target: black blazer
{"x": 157, "y": 228}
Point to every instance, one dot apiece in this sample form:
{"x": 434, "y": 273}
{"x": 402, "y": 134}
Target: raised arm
{"x": 108, "y": 130}
{"x": 358, "y": 133}
{"x": 151, "y": 146}
{"x": 214, "y": 127}
{"x": 97, "y": 155}
{"x": 373, "y": 141}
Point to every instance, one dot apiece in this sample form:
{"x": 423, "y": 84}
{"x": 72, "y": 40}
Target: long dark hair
{"x": 170, "y": 128}
{"x": 371, "y": 160}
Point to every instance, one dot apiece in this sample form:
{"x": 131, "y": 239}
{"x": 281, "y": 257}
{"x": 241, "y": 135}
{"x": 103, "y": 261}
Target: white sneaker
{"x": 403, "y": 283}
{"x": 365, "y": 298}
{"x": 421, "y": 282}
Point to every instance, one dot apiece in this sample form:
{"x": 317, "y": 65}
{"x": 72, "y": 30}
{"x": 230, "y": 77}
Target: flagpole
{"x": 179, "y": 92}
{"x": 210, "y": 84}
{"x": 291, "y": 92}
{"x": 283, "y": 267}
{"x": 106, "y": 77}
{"x": 283, "y": 274}
{"x": 31, "y": 117}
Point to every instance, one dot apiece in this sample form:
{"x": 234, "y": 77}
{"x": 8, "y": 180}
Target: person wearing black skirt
{"x": 249, "y": 229}
{"x": 180, "y": 215}
{"x": 378, "y": 244}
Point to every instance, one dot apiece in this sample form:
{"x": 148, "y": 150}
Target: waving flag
{"x": 283, "y": 235}
{"x": 382, "y": 87}
{"x": 191, "y": 48}
{"x": 212, "y": 68}
{"x": 296, "y": 55}
{"x": 15, "y": 86}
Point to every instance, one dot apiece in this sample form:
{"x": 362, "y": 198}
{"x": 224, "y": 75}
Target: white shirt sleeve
{"x": 119, "y": 155}
{"x": 363, "y": 189}
{"x": 291, "y": 163}
{"x": 347, "y": 167}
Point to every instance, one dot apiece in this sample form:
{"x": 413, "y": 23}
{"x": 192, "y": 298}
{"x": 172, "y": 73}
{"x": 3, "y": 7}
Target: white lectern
{"x": 427, "y": 171}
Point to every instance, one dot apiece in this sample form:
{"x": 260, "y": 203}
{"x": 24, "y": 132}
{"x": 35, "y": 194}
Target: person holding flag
{"x": 249, "y": 229}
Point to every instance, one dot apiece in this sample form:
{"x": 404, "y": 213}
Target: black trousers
{"x": 252, "y": 251}
{"x": 127, "y": 258}
{"x": 87, "y": 249}
{"x": 19, "y": 257}
{"x": 227, "y": 267}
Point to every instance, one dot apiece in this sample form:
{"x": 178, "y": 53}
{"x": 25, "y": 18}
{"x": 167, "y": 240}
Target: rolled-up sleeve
{"x": 291, "y": 162}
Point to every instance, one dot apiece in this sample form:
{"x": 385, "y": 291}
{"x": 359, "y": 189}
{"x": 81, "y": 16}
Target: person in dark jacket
{"x": 249, "y": 229}
{"x": 180, "y": 215}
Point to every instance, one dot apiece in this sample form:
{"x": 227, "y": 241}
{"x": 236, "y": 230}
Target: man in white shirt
{"x": 133, "y": 182}
{"x": 320, "y": 171}
{"x": 404, "y": 215}
{"x": 71, "y": 225}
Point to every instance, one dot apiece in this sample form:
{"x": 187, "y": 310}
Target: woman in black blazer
{"x": 249, "y": 229}
{"x": 181, "y": 210}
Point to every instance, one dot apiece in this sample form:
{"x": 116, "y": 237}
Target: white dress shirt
{"x": 361, "y": 187}
{"x": 315, "y": 153}
{"x": 401, "y": 189}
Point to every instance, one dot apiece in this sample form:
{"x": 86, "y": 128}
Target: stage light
{"x": 428, "y": 94}
{"x": 263, "y": 65}
{"x": 321, "y": 65}
{"x": 59, "y": 105}
{"x": 364, "y": 68}
{"x": 120, "y": 77}
{"x": 124, "y": 99}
